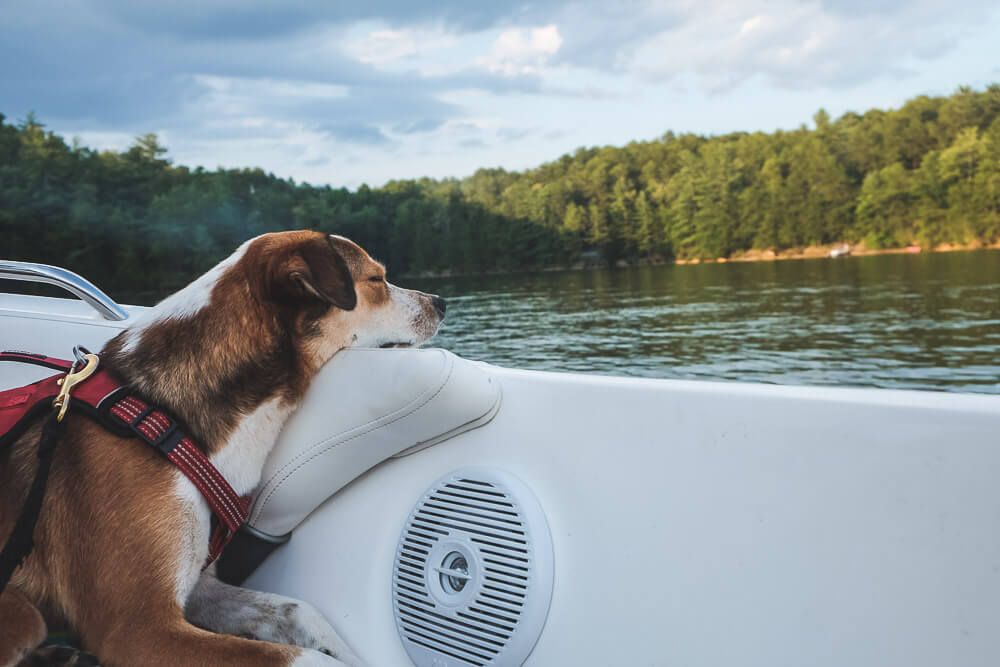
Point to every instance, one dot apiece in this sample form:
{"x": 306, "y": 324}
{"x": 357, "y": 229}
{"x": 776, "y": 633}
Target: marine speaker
{"x": 472, "y": 578}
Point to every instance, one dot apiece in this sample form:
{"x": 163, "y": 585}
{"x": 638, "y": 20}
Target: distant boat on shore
{"x": 843, "y": 250}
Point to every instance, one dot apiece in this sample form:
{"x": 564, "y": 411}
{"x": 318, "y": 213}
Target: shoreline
{"x": 770, "y": 255}
{"x": 824, "y": 252}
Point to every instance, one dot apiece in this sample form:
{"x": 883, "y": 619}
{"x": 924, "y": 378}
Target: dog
{"x": 123, "y": 535}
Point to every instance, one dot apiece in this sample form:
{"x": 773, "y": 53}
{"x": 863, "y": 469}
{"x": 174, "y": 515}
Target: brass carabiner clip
{"x": 71, "y": 379}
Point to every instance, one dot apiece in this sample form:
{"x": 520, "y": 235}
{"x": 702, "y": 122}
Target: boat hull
{"x": 707, "y": 524}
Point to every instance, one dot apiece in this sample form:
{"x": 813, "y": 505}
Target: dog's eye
{"x": 376, "y": 279}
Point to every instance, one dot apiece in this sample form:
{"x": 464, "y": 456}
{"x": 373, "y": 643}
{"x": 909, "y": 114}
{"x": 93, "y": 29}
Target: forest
{"x": 927, "y": 173}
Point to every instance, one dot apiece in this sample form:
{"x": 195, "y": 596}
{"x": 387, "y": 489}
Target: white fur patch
{"x": 193, "y": 548}
{"x": 240, "y": 461}
{"x": 183, "y": 303}
{"x": 231, "y": 610}
{"x": 241, "y": 458}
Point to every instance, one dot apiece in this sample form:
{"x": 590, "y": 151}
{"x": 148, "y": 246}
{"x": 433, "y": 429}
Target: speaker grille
{"x": 466, "y": 572}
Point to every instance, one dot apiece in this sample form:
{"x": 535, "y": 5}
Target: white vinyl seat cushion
{"x": 365, "y": 406}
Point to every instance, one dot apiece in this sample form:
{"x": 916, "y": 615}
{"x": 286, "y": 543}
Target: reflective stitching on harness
{"x": 228, "y": 507}
{"x": 153, "y": 425}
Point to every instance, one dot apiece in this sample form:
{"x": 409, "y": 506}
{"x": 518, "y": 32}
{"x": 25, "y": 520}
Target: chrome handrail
{"x": 69, "y": 281}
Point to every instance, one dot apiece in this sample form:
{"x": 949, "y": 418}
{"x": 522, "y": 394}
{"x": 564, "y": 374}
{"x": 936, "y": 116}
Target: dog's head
{"x": 285, "y": 296}
{"x": 261, "y": 323}
{"x": 334, "y": 295}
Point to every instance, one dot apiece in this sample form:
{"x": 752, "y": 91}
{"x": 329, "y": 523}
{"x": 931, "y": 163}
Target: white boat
{"x": 843, "y": 250}
{"x": 467, "y": 514}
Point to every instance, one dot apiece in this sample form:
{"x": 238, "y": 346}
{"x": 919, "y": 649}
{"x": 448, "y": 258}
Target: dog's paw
{"x": 311, "y": 658}
{"x": 299, "y": 623}
{"x": 59, "y": 656}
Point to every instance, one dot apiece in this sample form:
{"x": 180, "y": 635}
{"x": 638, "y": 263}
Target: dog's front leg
{"x": 22, "y": 627}
{"x": 219, "y": 607}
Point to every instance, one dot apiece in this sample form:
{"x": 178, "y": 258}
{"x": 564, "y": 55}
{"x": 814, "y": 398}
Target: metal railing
{"x": 69, "y": 281}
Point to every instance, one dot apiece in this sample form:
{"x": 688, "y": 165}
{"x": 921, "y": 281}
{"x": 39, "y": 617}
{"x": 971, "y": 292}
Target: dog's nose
{"x": 439, "y": 305}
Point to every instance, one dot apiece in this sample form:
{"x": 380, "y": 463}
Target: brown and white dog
{"x": 123, "y": 535}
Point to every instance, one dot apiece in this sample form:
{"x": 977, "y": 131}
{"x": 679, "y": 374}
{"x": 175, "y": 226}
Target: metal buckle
{"x": 72, "y": 378}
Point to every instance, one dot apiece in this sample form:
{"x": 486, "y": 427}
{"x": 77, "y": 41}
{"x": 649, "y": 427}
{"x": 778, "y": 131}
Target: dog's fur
{"x": 123, "y": 535}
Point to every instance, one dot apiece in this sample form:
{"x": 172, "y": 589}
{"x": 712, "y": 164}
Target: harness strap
{"x": 161, "y": 432}
{"x": 36, "y": 359}
{"x": 21, "y": 541}
{"x": 103, "y": 398}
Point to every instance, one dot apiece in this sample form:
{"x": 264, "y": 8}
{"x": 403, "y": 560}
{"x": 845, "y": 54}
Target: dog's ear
{"x": 317, "y": 270}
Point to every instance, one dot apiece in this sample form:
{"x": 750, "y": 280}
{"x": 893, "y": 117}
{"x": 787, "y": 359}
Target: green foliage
{"x": 926, "y": 173}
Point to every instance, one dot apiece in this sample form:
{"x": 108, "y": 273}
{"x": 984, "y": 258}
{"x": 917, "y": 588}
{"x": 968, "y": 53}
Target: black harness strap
{"x": 21, "y": 540}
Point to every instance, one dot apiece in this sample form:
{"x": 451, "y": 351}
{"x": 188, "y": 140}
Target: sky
{"x": 345, "y": 93}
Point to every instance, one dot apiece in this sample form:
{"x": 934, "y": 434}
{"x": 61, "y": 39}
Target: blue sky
{"x": 348, "y": 93}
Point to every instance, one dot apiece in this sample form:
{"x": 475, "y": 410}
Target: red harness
{"x": 103, "y": 398}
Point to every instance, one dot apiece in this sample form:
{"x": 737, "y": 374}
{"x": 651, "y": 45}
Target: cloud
{"x": 317, "y": 161}
{"x": 513, "y": 133}
{"x": 240, "y": 20}
{"x": 418, "y": 126}
{"x": 856, "y": 8}
{"x": 411, "y": 46}
{"x": 794, "y": 44}
{"x": 123, "y": 70}
{"x": 381, "y": 47}
{"x": 604, "y": 35}
{"x": 131, "y": 66}
{"x": 357, "y": 133}
{"x": 523, "y": 50}
{"x": 307, "y": 86}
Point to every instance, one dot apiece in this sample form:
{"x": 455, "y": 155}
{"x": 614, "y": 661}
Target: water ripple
{"x": 916, "y": 322}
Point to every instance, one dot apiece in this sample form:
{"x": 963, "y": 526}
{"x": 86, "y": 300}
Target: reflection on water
{"x": 907, "y": 321}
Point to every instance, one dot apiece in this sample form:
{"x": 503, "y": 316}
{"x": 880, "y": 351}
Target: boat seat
{"x": 364, "y": 406}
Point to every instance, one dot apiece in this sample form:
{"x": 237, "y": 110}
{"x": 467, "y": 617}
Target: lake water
{"x": 928, "y": 321}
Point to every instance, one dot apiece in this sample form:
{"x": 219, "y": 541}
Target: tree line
{"x": 926, "y": 173}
